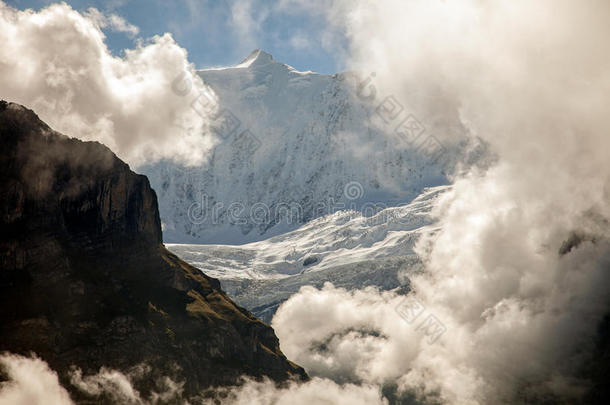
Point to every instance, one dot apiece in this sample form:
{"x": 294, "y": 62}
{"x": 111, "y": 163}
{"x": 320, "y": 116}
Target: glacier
{"x": 347, "y": 248}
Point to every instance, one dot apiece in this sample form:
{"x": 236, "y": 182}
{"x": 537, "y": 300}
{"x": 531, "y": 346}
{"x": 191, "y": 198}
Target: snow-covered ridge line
{"x": 337, "y": 239}
{"x": 287, "y": 138}
{"x": 258, "y": 57}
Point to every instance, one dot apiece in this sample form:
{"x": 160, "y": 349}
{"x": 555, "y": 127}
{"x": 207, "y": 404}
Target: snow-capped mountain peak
{"x": 294, "y": 146}
{"x": 257, "y": 57}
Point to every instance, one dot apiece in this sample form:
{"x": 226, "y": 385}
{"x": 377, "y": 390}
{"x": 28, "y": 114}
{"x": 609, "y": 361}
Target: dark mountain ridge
{"x": 85, "y": 279}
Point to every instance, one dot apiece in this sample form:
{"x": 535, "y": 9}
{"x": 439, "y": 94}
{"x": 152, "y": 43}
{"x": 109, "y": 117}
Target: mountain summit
{"x": 293, "y": 146}
{"x": 257, "y": 58}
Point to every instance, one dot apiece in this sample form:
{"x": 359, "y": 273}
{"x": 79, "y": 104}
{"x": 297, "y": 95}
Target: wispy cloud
{"x": 247, "y": 17}
{"x": 112, "y": 21}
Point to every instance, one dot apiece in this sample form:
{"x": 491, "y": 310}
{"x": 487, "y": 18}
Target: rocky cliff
{"x": 85, "y": 280}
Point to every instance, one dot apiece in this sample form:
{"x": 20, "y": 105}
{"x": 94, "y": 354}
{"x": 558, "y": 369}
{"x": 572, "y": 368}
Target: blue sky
{"x": 220, "y": 33}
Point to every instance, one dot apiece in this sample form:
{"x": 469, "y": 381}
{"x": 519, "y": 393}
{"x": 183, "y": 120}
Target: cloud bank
{"x": 55, "y": 62}
{"x": 520, "y": 273}
{"x": 30, "y": 381}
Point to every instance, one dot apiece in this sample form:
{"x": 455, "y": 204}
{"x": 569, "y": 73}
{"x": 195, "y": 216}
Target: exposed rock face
{"x": 85, "y": 279}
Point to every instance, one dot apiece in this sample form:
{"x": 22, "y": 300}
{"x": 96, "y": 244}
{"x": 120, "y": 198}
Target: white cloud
{"x": 519, "y": 315}
{"x": 246, "y": 22}
{"x": 300, "y": 41}
{"x": 30, "y": 382}
{"x": 359, "y": 337}
{"x": 55, "y": 61}
{"x": 116, "y": 384}
{"x": 113, "y": 21}
{"x": 315, "y": 391}
{"x": 332, "y": 37}
{"x": 119, "y": 388}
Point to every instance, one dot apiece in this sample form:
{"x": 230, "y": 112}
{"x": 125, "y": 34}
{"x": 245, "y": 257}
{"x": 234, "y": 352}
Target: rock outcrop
{"x": 85, "y": 279}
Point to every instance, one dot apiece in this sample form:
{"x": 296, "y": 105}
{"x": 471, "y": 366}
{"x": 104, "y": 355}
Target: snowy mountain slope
{"x": 345, "y": 248}
{"x": 294, "y": 146}
{"x": 263, "y": 297}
